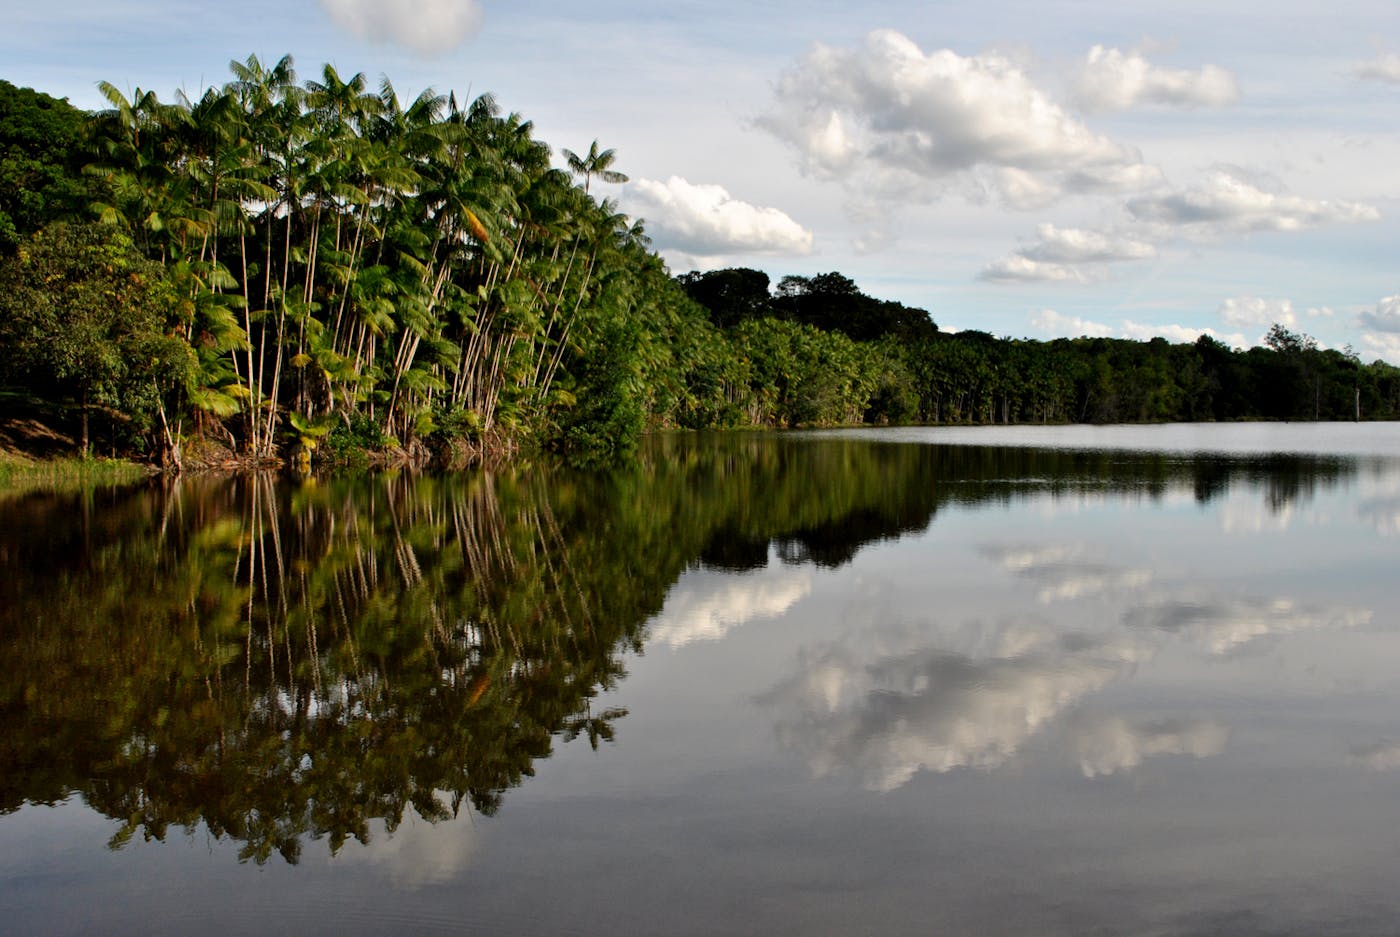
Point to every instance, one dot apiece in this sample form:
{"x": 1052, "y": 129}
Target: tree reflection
{"x": 282, "y": 663}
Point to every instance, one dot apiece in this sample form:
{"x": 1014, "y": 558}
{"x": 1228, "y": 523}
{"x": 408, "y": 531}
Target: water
{"x": 917, "y": 681}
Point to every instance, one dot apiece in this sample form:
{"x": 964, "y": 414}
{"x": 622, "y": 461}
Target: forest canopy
{"x": 284, "y": 264}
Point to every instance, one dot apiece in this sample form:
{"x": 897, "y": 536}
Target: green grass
{"x": 20, "y": 476}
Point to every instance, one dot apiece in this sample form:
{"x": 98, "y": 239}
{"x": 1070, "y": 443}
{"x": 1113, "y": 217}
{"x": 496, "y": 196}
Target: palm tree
{"x": 596, "y": 163}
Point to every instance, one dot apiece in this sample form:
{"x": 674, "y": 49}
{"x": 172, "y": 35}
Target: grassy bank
{"x": 21, "y": 475}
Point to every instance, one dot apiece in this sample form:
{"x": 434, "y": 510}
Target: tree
{"x": 730, "y": 295}
{"x": 596, "y": 163}
{"x": 85, "y": 318}
{"x": 40, "y": 141}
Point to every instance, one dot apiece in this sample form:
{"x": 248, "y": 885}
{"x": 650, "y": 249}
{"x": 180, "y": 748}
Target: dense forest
{"x": 284, "y": 266}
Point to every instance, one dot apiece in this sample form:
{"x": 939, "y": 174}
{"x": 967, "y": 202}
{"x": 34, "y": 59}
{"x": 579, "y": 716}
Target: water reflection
{"x": 886, "y": 706}
{"x": 709, "y": 612}
{"x": 1064, "y": 571}
{"x": 1113, "y": 745}
{"x": 277, "y": 663}
{"x": 1378, "y": 756}
{"x": 888, "y": 710}
{"x": 1220, "y": 625}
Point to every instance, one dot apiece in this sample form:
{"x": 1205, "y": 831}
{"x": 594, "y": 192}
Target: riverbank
{"x": 36, "y": 457}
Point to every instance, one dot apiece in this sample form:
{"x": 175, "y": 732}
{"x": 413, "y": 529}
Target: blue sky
{"x": 1025, "y": 168}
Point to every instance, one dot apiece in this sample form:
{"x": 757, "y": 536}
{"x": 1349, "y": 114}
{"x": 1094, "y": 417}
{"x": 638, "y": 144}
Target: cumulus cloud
{"x": 1077, "y": 246}
{"x": 1111, "y": 745}
{"x": 705, "y": 220}
{"x": 887, "y": 118}
{"x": 1243, "y": 311}
{"x": 1383, "y": 345}
{"x": 1178, "y": 333}
{"x": 1386, "y": 318}
{"x": 1068, "y": 255}
{"x": 1227, "y": 201}
{"x": 888, "y": 717}
{"x": 1112, "y": 80}
{"x": 1050, "y": 322}
{"x": 703, "y": 610}
{"x": 430, "y": 26}
{"x": 1018, "y": 269}
{"x": 1384, "y": 67}
{"x": 1222, "y": 625}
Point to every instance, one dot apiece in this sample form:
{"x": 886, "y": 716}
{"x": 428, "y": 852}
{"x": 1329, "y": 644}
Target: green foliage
{"x": 357, "y": 435}
{"x": 338, "y": 256}
{"x": 607, "y": 418}
{"x": 84, "y": 318}
{"x": 41, "y": 138}
{"x": 24, "y": 477}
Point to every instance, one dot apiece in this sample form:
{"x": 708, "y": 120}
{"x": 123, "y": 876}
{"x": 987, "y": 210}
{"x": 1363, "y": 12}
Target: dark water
{"x": 832, "y": 683}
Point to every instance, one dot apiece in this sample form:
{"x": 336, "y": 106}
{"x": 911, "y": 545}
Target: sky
{"x": 1028, "y": 169}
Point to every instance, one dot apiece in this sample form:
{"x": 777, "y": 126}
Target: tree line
{"x": 281, "y": 265}
{"x": 820, "y": 341}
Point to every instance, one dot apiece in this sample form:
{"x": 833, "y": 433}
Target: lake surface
{"x": 993, "y": 681}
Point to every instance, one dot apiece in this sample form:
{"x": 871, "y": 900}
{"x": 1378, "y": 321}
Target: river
{"x": 1071, "y": 680}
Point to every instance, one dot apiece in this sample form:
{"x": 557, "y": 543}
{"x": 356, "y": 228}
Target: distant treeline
{"x": 893, "y": 364}
{"x": 282, "y": 265}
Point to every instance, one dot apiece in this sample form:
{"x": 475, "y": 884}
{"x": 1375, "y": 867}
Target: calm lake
{"x": 1078, "y": 680}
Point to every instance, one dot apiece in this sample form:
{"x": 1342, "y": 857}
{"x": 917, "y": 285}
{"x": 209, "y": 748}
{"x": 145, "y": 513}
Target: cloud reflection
{"x": 1111, "y": 745}
{"x": 887, "y": 704}
{"x": 1222, "y": 625}
{"x": 1379, "y": 756}
{"x": 1382, "y": 513}
{"x": 888, "y": 715}
{"x": 706, "y": 607}
{"x": 1064, "y": 573}
{"x": 418, "y": 853}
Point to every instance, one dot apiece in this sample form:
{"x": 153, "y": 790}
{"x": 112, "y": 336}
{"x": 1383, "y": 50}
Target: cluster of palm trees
{"x": 343, "y": 257}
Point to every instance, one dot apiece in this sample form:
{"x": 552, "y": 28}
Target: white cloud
{"x": 887, "y": 118}
{"x": 1178, "y": 333}
{"x": 706, "y": 220}
{"x": 1227, "y": 201}
{"x": 1384, "y": 67}
{"x": 705, "y": 610}
{"x": 1077, "y": 246}
{"x": 429, "y": 26}
{"x": 1050, "y": 322}
{"x": 1386, "y": 318}
{"x": 1018, "y": 269}
{"x": 1068, "y": 255}
{"x": 1024, "y": 190}
{"x": 1111, "y": 80}
{"x": 1383, "y": 345}
{"x": 1243, "y": 311}
{"x": 1113, "y": 745}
